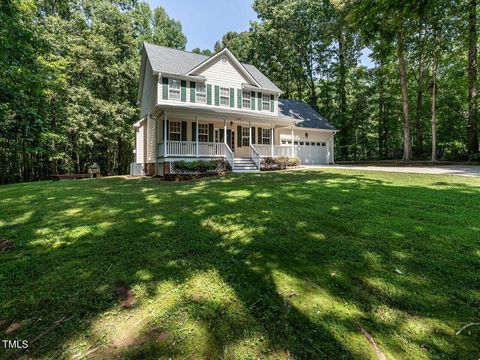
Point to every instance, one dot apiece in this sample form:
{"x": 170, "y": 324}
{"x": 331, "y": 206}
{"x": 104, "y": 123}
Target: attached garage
{"x": 312, "y": 136}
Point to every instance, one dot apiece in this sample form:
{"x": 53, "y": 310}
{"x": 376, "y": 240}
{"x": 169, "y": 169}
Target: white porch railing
{"x": 189, "y": 148}
{"x": 229, "y": 155}
{"x": 278, "y": 150}
{"x": 263, "y": 150}
{"x": 255, "y": 156}
{"x": 282, "y": 150}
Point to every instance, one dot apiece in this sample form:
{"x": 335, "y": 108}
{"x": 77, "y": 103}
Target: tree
{"x": 167, "y": 31}
{"x": 472, "y": 77}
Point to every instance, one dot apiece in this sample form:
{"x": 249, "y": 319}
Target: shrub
{"x": 200, "y": 166}
{"x": 293, "y": 161}
{"x": 474, "y": 157}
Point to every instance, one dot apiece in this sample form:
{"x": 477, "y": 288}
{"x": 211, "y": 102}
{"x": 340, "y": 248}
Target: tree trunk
{"x": 418, "y": 115}
{"x": 472, "y": 78}
{"x": 407, "y": 142}
{"x": 343, "y": 97}
{"x": 382, "y": 141}
{"x": 434, "y": 109}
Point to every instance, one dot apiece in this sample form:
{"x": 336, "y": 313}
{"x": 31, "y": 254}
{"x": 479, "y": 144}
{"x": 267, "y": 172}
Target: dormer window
{"x": 266, "y": 102}
{"x": 225, "y": 96}
{"x": 174, "y": 89}
{"x": 246, "y": 99}
{"x": 200, "y": 93}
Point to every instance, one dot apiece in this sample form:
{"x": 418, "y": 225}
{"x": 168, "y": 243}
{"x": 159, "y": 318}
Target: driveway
{"x": 462, "y": 170}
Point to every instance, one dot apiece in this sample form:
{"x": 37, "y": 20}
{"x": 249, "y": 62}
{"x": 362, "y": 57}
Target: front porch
{"x": 179, "y": 137}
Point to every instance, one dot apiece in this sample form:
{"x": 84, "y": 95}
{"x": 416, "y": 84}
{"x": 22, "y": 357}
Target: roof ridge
{"x": 171, "y": 48}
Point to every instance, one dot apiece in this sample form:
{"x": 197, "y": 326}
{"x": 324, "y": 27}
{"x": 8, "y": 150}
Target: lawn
{"x": 306, "y": 264}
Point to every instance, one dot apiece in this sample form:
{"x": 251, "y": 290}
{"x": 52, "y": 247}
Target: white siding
{"x": 150, "y": 140}
{"x": 224, "y": 74}
{"x": 140, "y": 144}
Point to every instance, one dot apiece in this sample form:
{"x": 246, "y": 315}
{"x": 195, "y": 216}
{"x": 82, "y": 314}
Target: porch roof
{"x": 214, "y": 113}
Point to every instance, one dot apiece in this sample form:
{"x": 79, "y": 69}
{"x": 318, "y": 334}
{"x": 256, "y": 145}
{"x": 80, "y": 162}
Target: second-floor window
{"x": 246, "y": 99}
{"x": 174, "y": 89}
{"x": 266, "y": 136}
{"x": 265, "y": 102}
{"x": 175, "y": 131}
{"x": 203, "y": 132}
{"x": 201, "y": 93}
{"x": 224, "y": 96}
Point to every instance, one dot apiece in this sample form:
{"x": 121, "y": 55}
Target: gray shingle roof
{"x": 307, "y": 116}
{"x": 174, "y": 61}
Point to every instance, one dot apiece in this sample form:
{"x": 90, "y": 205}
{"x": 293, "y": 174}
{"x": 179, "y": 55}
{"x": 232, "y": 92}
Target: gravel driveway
{"x": 462, "y": 170}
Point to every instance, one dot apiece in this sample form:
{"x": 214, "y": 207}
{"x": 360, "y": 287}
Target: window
{"x": 225, "y": 96}
{"x": 200, "y": 93}
{"x": 174, "y": 89}
{"x": 318, "y": 144}
{"x": 266, "y": 136}
{"x": 203, "y": 132}
{"x": 307, "y": 143}
{"x": 301, "y": 142}
{"x": 265, "y": 102}
{"x": 245, "y": 136}
{"x": 246, "y": 99}
{"x": 175, "y": 131}
{"x": 284, "y": 142}
{"x": 323, "y": 144}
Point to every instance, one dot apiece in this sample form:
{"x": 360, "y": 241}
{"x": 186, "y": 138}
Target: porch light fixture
{"x": 231, "y": 123}
{"x": 306, "y": 135}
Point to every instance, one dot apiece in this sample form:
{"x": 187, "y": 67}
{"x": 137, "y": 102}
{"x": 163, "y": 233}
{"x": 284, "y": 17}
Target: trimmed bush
{"x": 199, "y": 166}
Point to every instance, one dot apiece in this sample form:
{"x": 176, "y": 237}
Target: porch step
{"x": 244, "y": 165}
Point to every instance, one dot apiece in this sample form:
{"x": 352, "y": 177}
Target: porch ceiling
{"x": 220, "y": 114}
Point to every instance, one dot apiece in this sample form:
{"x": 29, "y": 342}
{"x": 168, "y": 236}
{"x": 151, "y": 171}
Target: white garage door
{"x": 312, "y": 152}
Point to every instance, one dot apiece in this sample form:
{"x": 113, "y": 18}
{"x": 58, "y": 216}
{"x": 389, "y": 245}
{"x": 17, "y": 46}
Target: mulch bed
{"x": 186, "y": 177}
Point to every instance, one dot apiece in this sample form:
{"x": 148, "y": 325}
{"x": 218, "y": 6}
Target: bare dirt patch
{"x": 124, "y": 294}
{"x": 13, "y": 327}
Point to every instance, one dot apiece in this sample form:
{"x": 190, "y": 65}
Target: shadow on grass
{"x": 267, "y": 265}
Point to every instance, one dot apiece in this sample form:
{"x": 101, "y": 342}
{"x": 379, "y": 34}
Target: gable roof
{"x": 225, "y": 52}
{"x": 174, "y": 61}
{"x": 307, "y": 117}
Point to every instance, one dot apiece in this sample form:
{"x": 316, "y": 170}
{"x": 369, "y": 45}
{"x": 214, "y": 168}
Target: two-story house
{"x": 193, "y": 106}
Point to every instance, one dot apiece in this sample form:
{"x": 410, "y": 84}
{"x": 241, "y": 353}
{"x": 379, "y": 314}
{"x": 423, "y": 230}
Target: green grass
{"x": 269, "y": 265}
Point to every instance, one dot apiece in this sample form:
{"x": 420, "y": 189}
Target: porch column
{"x": 250, "y": 133}
{"x": 225, "y": 131}
{"x": 333, "y": 148}
{"x": 196, "y": 130}
{"x": 272, "y": 137}
{"x": 293, "y": 145}
{"x": 164, "y": 134}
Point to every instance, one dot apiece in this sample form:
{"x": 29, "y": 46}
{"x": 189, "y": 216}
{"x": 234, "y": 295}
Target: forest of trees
{"x": 69, "y": 74}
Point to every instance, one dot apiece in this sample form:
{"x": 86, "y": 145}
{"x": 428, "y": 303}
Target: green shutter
{"x": 239, "y": 136}
{"x": 259, "y": 136}
{"x": 239, "y": 98}
{"x": 252, "y": 100}
{"x": 209, "y": 94}
{"x": 259, "y": 101}
{"x": 217, "y": 95}
{"x": 183, "y": 90}
{"x": 210, "y": 132}
{"x": 194, "y": 131}
{"x": 192, "y": 91}
{"x": 253, "y": 135}
{"x": 272, "y": 103}
{"x": 168, "y": 130}
{"x": 184, "y": 131}
{"x": 232, "y": 97}
{"x": 165, "y": 89}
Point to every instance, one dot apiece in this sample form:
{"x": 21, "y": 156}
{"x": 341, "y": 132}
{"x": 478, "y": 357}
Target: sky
{"x": 206, "y": 21}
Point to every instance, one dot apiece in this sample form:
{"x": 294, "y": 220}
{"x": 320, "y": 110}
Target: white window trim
{"x": 170, "y": 132}
{"x": 204, "y": 94}
{"x": 201, "y": 133}
{"x": 174, "y": 92}
{"x": 249, "y": 99}
{"x": 267, "y": 132}
{"x": 245, "y": 136}
{"x": 223, "y": 97}
{"x": 266, "y": 104}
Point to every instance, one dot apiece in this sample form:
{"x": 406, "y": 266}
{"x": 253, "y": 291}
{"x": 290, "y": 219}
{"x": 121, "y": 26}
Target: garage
{"x": 312, "y": 152}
